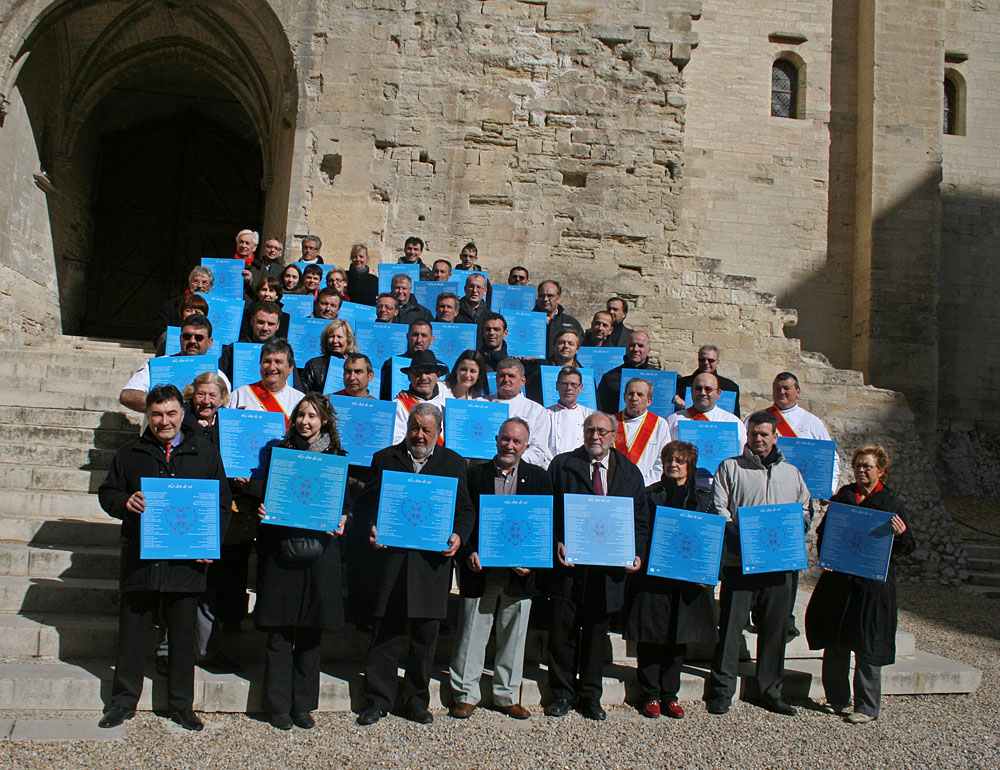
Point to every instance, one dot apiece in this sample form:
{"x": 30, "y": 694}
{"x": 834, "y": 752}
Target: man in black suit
{"x": 636, "y": 357}
{"x": 495, "y": 593}
{"x": 583, "y": 597}
{"x": 708, "y": 361}
{"x": 410, "y": 587}
{"x": 620, "y": 333}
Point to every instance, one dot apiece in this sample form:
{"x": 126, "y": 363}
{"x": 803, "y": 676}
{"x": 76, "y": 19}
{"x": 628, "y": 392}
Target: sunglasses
{"x": 186, "y": 336}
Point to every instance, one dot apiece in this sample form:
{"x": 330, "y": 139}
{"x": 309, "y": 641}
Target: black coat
{"x": 531, "y": 480}
{"x": 246, "y": 324}
{"x": 193, "y": 458}
{"x": 169, "y": 316}
{"x": 413, "y": 311}
{"x": 664, "y": 611}
{"x": 609, "y": 388}
{"x": 856, "y": 612}
{"x": 305, "y": 595}
{"x": 619, "y": 336}
{"x": 210, "y": 434}
{"x": 599, "y": 587}
{"x": 559, "y": 322}
{"x": 313, "y": 374}
{"x": 426, "y": 575}
{"x": 683, "y": 383}
{"x": 362, "y": 287}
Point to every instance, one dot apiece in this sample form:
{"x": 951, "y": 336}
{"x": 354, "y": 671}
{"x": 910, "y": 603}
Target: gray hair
{"x": 520, "y": 421}
{"x": 511, "y": 363}
{"x": 713, "y": 348}
{"x": 313, "y": 239}
{"x": 423, "y": 409}
{"x": 611, "y": 417}
{"x": 641, "y": 379}
{"x": 255, "y": 236}
{"x": 399, "y": 277}
{"x": 201, "y": 270}
{"x": 208, "y": 378}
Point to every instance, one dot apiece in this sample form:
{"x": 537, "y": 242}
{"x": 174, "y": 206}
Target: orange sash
{"x": 784, "y": 428}
{"x": 408, "y": 403}
{"x": 690, "y": 412}
{"x": 268, "y": 401}
{"x": 641, "y": 440}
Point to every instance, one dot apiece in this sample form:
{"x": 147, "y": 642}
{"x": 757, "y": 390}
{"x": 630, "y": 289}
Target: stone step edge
{"x": 85, "y": 686}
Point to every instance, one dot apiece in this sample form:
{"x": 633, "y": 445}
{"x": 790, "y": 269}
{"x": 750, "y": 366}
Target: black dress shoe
{"x": 592, "y": 710}
{"x": 370, "y": 715}
{"x": 115, "y": 715}
{"x": 717, "y": 706}
{"x": 162, "y": 665}
{"x": 304, "y": 720}
{"x": 280, "y": 721}
{"x": 557, "y": 708}
{"x": 187, "y": 719}
{"x": 219, "y": 661}
{"x": 419, "y": 715}
{"x": 777, "y": 706}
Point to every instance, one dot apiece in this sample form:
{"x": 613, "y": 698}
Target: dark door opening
{"x": 166, "y": 195}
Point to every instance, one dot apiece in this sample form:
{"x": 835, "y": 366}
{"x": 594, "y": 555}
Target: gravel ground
{"x": 952, "y": 731}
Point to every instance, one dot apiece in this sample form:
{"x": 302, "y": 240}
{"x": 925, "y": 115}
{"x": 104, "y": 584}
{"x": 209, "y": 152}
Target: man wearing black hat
{"x": 424, "y": 372}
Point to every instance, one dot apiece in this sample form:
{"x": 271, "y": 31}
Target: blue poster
{"x": 298, "y": 305}
{"x": 325, "y": 268}
{"x": 587, "y": 397}
{"x": 416, "y": 510}
{"x": 365, "y": 426}
{"x": 513, "y": 298}
{"x": 386, "y": 272}
{"x": 471, "y": 427}
{"x": 334, "y": 381}
{"x": 772, "y": 538}
{"x": 180, "y": 371}
{"x": 245, "y": 438}
{"x": 814, "y": 459}
{"x": 515, "y": 531}
{"x": 354, "y": 312}
{"x": 716, "y": 441}
{"x": 380, "y": 341}
{"x": 400, "y": 381}
{"x": 305, "y": 489}
{"x": 305, "y": 335}
{"x": 686, "y": 545}
{"x": 727, "y": 401}
{"x": 451, "y": 340}
{"x": 226, "y": 316}
{"x": 602, "y": 360}
{"x": 228, "y": 275}
{"x": 526, "y": 331}
{"x": 173, "y": 341}
{"x": 857, "y": 541}
{"x": 664, "y": 389}
{"x": 181, "y": 519}
{"x": 246, "y": 363}
{"x": 427, "y": 292}
{"x": 599, "y": 530}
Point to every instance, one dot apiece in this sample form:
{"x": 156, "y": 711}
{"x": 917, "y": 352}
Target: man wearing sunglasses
{"x": 196, "y": 340}
{"x": 708, "y": 362}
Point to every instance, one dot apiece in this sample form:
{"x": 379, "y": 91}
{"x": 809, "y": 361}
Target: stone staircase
{"x": 60, "y": 423}
{"x": 984, "y": 568}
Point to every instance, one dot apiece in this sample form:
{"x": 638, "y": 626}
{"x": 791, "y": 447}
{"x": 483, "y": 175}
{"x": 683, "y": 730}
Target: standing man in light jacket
{"x": 759, "y": 476}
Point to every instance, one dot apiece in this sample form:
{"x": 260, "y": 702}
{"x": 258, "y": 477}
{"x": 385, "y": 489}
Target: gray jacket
{"x": 744, "y": 480}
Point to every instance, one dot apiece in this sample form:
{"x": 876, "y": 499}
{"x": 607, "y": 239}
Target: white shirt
{"x": 140, "y": 380}
{"x": 807, "y": 425}
{"x": 566, "y": 427}
{"x": 537, "y": 418}
{"x": 403, "y": 414}
{"x": 650, "y": 463}
{"x": 288, "y": 397}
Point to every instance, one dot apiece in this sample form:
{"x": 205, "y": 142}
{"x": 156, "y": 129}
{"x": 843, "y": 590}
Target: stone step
{"x": 80, "y": 438}
{"x": 983, "y": 565}
{"x": 983, "y": 550}
{"x": 58, "y": 636}
{"x": 66, "y": 561}
{"x": 87, "y": 596}
{"x": 112, "y": 385}
{"x": 97, "y": 377}
{"x": 101, "y": 402}
{"x": 123, "y": 420}
{"x": 85, "y": 685}
{"x": 120, "y": 360}
{"x": 27, "y": 514}
{"x": 990, "y": 591}
{"x": 63, "y": 341}
{"x": 984, "y": 578}
{"x": 47, "y": 478}
{"x": 35, "y": 454}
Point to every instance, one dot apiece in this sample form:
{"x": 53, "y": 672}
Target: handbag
{"x": 300, "y": 550}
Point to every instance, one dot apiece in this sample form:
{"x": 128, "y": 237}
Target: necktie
{"x": 169, "y": 448}
{"x": 598, "y": 484}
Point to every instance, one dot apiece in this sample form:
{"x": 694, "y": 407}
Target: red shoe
{"x": 651, "y": 709}
{"x": 673, "y": 709}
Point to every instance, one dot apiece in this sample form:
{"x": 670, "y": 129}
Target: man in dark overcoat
{"x": 167, "y": 448}
{"x": 583, "y": 597}
{"x": 410, "y": 587}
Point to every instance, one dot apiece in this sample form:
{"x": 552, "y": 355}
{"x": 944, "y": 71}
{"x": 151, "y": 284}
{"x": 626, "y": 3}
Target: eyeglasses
{"x": 602, "y": 432}
{"x": 273, "y": 248}
{"x": 703, "y": 390}
{"x": 190, "y": 336}
{"x": 703, "y": 360}
{"x": 548, "y": 296}
{"x": 865, "y": 467}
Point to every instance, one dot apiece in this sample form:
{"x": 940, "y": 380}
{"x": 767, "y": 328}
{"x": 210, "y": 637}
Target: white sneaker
{"x": 857, "y": 718}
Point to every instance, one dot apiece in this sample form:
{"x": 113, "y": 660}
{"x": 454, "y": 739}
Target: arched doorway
{"x": 159, "y": 127}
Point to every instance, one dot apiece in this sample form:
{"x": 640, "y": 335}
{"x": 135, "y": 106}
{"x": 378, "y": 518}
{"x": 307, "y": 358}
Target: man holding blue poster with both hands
{"x": 583, "y": 596}
{"x": 166, "y": 449}
{"x": 410, "y": 586}
{"x": 759, "y": 476}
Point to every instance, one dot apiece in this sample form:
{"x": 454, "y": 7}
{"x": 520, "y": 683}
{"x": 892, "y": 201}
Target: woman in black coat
{"x": 299, "y": 595}
{"x": 665, "y": 615}
{"x": 848, "y": 613}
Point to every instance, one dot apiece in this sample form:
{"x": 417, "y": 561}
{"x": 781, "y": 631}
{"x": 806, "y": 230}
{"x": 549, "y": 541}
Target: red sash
{"x": 784, "y": 428}
{"x": 268, "y": 401}
{"x": 690, "y": 412}
{"x": 408, "y": 403}
{"x": 641, "y": 440}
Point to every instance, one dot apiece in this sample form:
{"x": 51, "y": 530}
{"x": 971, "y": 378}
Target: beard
{"x": 420, "y": 452}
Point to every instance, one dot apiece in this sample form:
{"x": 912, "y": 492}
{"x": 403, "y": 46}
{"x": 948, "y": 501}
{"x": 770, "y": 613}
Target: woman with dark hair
{"x": 848, "y": 613}
{"x": 664, "y": 615}
{"x": 299, "y": 593}
{"x": 311, "y": 277}
{"x": 468, "y": 377}
{"x": 291, "y": 277}
{"x": 336, "y": 341}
